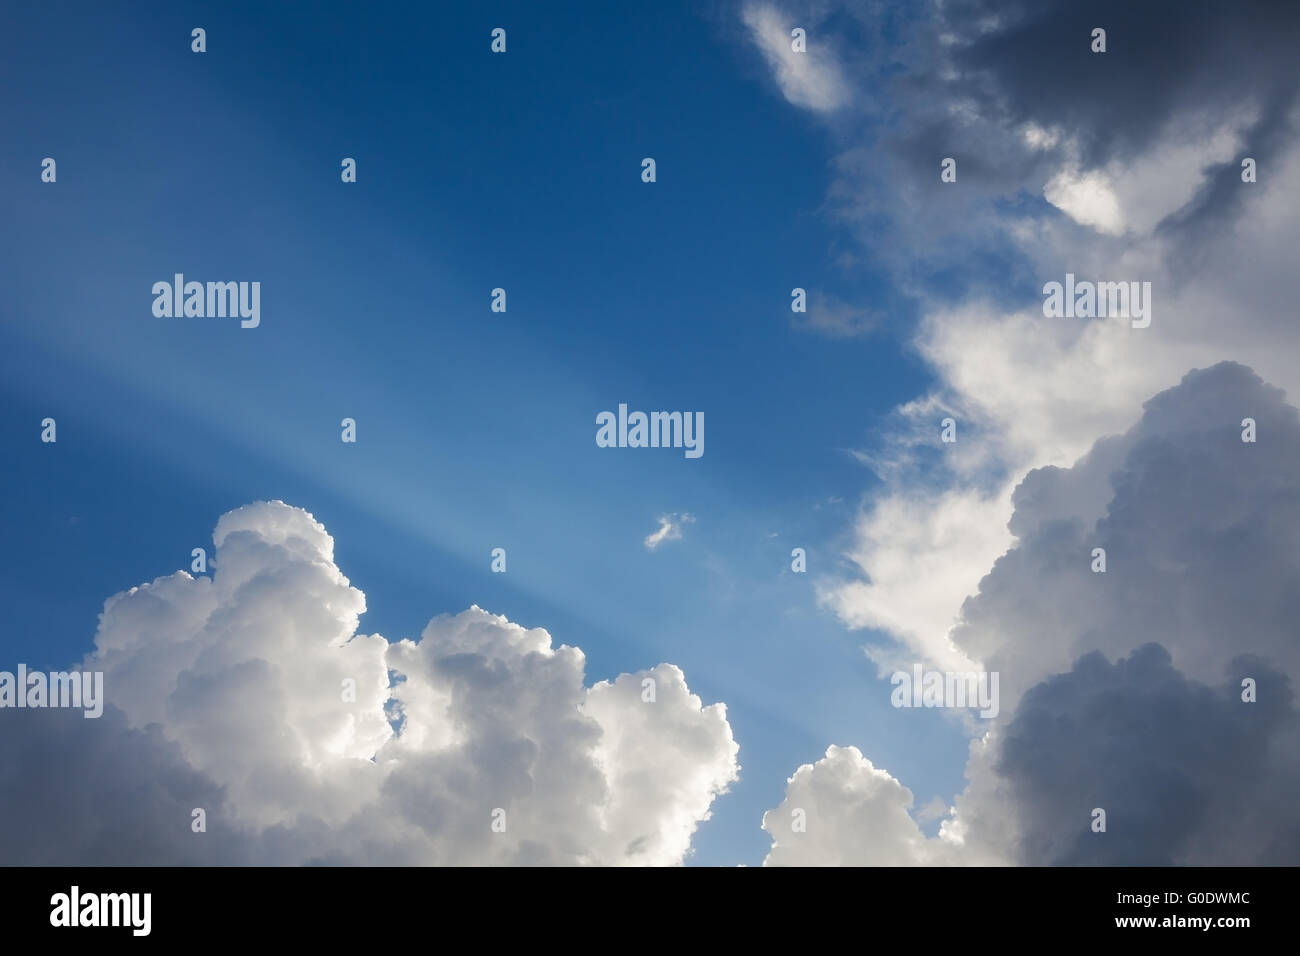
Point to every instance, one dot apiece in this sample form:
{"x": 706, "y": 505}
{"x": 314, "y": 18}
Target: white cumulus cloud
{"x": 252, "y": 694}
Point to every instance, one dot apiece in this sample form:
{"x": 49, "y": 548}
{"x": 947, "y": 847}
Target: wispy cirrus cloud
{"x": 811, "y": 79}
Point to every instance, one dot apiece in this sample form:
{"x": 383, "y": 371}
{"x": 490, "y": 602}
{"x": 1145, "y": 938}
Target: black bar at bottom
{"x": 380, "y": 906}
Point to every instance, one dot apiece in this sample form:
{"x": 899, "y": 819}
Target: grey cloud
{"x": 1198, "y": 529}
{"x": 1122, "y": 690}
{"x": 99, "y": 793}
{"x": 1163, "y": 58}
{"x": 1181, "y": 769}
{"x": 966, "y": 79}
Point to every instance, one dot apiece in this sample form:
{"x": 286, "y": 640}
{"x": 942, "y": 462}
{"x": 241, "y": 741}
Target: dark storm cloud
{"x": 1199, "y": 530}
{"x": 969, "y": 79}
{"x": 1201, "y": 590}
{"x": 1162, "y": 58}
{"x": 1182, "y": 770}
{"x": 1123, "y": 690}
{"x": 1167, "y": 65}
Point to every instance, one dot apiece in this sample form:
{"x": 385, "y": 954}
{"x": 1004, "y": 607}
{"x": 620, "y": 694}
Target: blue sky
{"x": 475, "y": 429}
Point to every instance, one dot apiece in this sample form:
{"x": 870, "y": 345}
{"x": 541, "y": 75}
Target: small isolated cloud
{"x": 670, "y": 529}
{"x": 836, "y": 319}
{"x": 811, "y": 79}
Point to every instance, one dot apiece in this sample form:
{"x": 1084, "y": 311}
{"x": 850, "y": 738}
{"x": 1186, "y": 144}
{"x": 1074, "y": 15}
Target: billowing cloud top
{"x": 1158, "y": 690}
{"x": 252, "y": 696}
